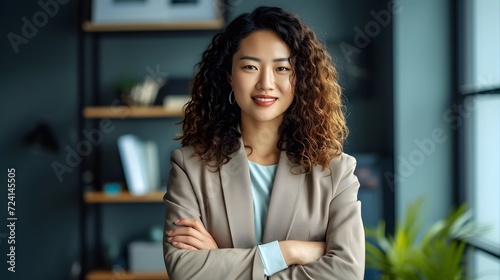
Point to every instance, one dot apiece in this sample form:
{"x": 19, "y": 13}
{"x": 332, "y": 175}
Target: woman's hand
{"x": 191, "y": 236}
{"x": 301, "y": 252}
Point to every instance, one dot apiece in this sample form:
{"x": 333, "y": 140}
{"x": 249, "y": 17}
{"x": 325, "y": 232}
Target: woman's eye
{"x": 281, "y": 69}
{"x": 250, "y": 67}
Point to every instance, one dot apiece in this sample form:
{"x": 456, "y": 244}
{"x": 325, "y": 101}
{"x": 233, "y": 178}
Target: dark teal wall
{"x": 39, "y": 84}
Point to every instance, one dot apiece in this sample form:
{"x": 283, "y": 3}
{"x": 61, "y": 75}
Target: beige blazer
{"x": 318, "y": 206}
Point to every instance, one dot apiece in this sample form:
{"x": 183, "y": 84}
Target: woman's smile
{"x": 264, "y": 100}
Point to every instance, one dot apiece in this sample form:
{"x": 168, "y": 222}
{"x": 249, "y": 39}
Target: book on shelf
{"x": 140, "y": 164}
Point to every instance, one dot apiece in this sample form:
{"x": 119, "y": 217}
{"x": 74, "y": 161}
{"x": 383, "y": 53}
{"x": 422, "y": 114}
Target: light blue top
{"x": 262, "y": 178}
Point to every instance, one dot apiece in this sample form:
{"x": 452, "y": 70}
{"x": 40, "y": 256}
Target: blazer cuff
{"x": 272, "y": 258}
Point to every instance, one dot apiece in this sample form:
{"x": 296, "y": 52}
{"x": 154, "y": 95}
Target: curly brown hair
{"x": 313, "y": 129}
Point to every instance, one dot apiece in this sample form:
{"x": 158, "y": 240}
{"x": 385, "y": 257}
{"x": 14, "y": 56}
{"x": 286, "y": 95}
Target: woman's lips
{"x": 264, "y": 100}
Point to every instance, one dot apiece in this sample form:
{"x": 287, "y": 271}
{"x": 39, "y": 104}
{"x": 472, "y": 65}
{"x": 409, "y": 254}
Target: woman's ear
{"x": 229, "y": 78}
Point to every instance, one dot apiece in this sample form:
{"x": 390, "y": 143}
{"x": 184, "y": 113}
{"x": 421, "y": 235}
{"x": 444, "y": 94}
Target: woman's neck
{"x": 263, "y": 138}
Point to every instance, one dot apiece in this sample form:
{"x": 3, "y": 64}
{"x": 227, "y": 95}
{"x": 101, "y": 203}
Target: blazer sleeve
{"x": 181, "y": 202}
{"x": 345, "y": 238}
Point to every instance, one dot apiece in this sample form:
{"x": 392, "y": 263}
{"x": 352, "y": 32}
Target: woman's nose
{"x": 266, "y": 80}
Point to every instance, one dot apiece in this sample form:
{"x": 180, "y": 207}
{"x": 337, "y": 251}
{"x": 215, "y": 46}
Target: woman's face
{"x": 261, "y": 77}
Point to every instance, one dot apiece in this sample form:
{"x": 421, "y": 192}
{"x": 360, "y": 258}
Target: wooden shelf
{"x": 110, "y": 275}
{"x": 123, "y": 197}
{"x": 89, "y": 26}
{"x": 124, "y": 112}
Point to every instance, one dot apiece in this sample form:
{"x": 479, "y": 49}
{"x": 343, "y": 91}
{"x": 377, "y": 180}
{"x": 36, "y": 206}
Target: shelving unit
{"x": 94, "y": 202}
{"x": 89, "y": 26}
{"x": 97, "y": 112}
{"x": 106, "y": 275}
{"x": 123, "y": 197}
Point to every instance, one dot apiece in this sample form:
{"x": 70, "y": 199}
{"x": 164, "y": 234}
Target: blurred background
{"x": 421, "y": 82}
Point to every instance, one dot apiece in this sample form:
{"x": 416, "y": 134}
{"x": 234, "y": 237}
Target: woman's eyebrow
{"x": 259, "y": 60}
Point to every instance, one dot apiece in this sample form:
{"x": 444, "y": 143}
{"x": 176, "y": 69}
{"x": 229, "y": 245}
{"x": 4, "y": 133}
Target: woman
{"x": 265, "y": 118}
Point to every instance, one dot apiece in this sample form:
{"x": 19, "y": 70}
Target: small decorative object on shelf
{"x": 175, "y": 102}
{"x": 112, "y": 188}
{"x": 141, "y": 93}
{"x": 145, "y": 256}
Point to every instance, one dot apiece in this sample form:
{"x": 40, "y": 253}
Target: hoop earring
{"x": 234, "y": 99}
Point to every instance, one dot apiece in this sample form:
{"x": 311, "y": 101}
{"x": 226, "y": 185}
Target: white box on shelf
{"x": 148, "y": 11}
{"x": 145, "y": 256}
{"x": 174, "y": 102}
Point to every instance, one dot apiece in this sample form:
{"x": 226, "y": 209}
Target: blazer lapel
{"x": 285, "y": 195}
{"x": 237, "y": 189}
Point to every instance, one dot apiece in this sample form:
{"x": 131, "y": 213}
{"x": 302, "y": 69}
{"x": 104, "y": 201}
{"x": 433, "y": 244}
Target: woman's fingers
{"x": 194, "y": 223}
{"x": 183, "y": 246}
{"x": 188, "y": 241}
{"x": 192, "y": 235}
{"x": 186, "y": 231}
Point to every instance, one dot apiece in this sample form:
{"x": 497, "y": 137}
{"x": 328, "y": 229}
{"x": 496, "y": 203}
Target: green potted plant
{"x": 437, "y": 253}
